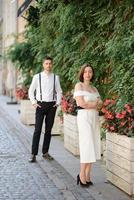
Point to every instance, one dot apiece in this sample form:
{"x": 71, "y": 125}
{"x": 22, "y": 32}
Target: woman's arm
{"x": 88, "y": 105}
{"x": 81, "y": 102}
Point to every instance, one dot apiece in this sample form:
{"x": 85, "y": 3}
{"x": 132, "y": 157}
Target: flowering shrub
{"x": 21, "y": 93}
{"x": 68, "y": 104}
{"x": 121, "y": 122}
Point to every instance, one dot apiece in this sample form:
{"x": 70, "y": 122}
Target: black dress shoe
{"x": 32, "y": 159}
{"x": 47, "y": 156}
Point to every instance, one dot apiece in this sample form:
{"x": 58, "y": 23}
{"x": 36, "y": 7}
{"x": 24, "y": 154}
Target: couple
{"x": 48, "y": 97}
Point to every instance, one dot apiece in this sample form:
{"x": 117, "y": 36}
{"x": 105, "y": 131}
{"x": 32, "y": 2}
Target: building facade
{"x": 11, "y": 29}
{"x": 1, "y": 22}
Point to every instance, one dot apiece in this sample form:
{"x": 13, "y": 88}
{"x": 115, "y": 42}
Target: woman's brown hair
{"x": 81, "y": 72}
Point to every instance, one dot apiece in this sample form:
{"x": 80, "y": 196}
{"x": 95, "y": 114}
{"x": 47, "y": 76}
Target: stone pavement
{"x": 30, "y": 181}
{"x": 43, "y": 180}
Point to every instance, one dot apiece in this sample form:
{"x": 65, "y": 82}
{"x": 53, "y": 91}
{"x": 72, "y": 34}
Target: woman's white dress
{"x": 89, "y": 129}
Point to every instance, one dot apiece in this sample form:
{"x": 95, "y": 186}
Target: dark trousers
{"x": 48, "y": 111}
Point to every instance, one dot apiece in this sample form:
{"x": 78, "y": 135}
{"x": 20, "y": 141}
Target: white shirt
{"x": 47, "y": 85}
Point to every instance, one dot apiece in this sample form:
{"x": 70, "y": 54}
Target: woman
{"x": 88, "y": 100}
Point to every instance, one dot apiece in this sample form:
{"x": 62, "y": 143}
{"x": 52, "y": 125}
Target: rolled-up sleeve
{"x": 32, "y": 89}
{"x": 58, "y": 91}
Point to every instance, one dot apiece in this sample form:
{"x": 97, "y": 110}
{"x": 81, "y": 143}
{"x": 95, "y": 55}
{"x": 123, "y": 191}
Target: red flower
{"x": 128, "y": 107}
{"x": 121, "y": 122}
{"x": 109, "y": 115}
{"x": 119, "y": 116}
{"x": 104, "y": 110}
{"x": 21, "y": 93}
{"x": 68, "y": 104}
{"x": 107, "y": 102}
{"x": 112, "y": 128}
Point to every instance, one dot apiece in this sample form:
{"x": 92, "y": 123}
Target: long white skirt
{"x": 89, "y": 135}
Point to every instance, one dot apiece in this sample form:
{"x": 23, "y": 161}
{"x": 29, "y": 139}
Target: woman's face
{"x": 88, "y": 74}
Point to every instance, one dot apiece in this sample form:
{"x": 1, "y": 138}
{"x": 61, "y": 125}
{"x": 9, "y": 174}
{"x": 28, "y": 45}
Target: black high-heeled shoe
{"x": 89, "y": 183}
{"x": 81, "y": 184}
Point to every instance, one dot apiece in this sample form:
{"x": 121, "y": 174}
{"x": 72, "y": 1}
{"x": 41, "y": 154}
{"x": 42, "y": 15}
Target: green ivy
{"x": 75, "y": 32}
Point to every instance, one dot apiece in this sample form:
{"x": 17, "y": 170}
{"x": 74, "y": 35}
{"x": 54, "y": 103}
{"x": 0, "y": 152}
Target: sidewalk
{"x": 101, "y": 189}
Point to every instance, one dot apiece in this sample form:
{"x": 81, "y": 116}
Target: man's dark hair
{"x": 47, "y": 58}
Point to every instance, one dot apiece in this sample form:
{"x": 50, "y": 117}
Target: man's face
{"x": 47, "y": 65}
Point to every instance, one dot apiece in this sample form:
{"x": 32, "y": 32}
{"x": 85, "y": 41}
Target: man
{"x": 46, "y": 87}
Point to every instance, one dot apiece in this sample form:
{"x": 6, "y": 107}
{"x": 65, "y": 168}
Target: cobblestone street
{"x": 31, "y": 181}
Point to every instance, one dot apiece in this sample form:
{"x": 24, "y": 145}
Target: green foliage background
{"x": 75, "y": 32}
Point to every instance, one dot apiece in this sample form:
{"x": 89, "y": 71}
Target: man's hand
{"x": 35, "y": 105}
{"x": 55, "y": 105}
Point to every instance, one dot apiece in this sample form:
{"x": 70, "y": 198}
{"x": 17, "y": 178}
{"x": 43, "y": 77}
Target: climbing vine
{"x": 75, "y": 32}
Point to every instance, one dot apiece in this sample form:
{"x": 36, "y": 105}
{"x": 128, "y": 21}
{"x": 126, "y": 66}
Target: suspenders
{"x": 54, "y": 91}
{"x": 40, "y": 87}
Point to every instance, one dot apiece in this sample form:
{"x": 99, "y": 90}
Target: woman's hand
{"x": 94, "y": 104}
{"x": 100, "y": 103}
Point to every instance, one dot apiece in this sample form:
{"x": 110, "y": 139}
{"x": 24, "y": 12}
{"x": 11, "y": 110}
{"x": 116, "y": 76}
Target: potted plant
{"x": 68, "y": 104}
{"x": 69, "y": 109}
{"x": 58, "y": 122}
{"x": 21, "y": 93}
{"x": 27, "y": 111}
{"x": 119, "y": 145}
{"x": 60, "y": 115}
